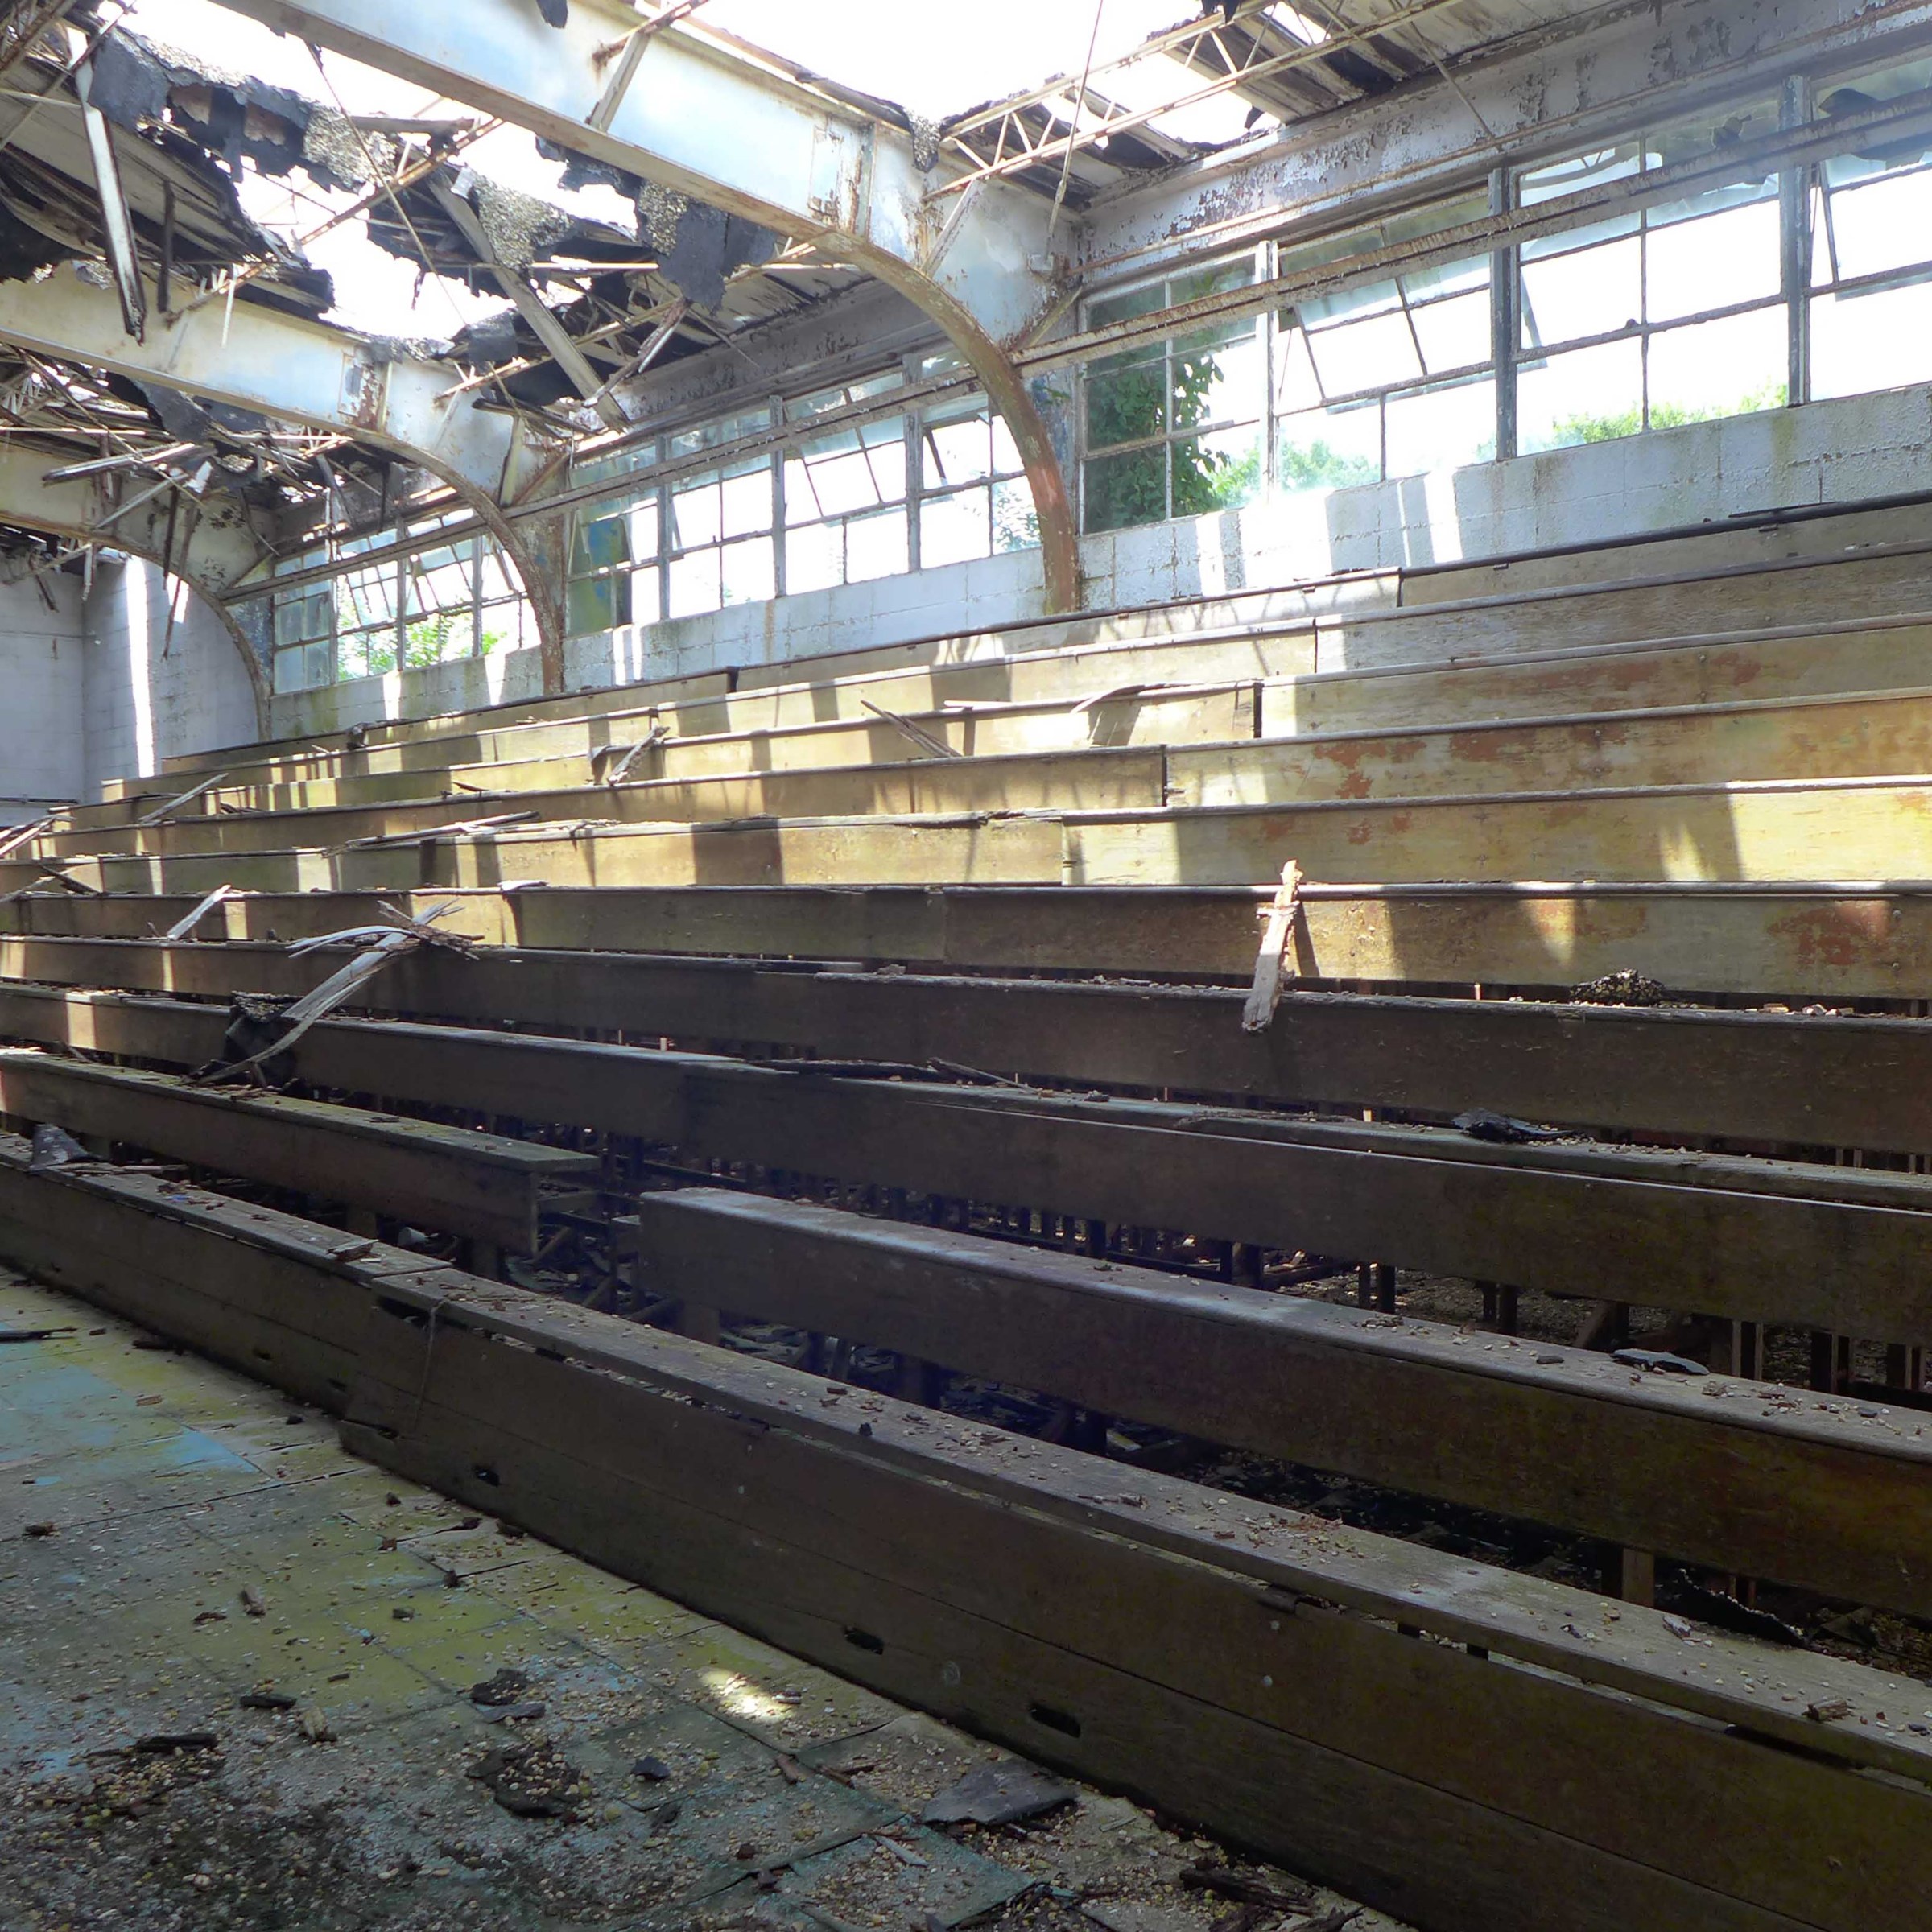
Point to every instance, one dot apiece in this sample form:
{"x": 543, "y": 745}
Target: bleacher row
{"x": 897, "y": 999}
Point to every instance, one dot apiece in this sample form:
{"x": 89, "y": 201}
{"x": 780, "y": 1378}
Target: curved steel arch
{"x": 303, "y": 372}
{"x": 699, "y": 118}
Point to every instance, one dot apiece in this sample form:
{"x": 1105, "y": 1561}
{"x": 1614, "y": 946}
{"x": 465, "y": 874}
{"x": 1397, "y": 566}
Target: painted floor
{"x": 184, "y": 1555}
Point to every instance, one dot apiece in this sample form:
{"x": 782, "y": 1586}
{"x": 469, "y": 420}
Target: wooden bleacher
{"x": 897, "y": 1000}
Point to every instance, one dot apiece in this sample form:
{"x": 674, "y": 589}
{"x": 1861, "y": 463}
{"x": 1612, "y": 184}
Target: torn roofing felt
{"x": 50, "y": 208}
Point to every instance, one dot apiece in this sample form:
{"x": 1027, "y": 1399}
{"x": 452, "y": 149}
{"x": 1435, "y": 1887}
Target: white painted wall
{"x": 1835, "y": 452}
{"x": 42, "y": 654}
{"x": 150, "y": 692}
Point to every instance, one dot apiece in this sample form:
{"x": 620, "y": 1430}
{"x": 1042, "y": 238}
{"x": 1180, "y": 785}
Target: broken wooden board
{"x": 1742, "y": 1477}
{"x": 480, "y": 1186}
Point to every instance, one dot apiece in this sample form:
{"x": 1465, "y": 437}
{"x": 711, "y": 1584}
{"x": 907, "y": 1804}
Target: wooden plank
{"x": 1771, "y": 539}
{"x": 1544, "y": 738}
{"x": 1852, "y": 828}
{"x": 1827, "y": 1081}
{"x": 1327, "y": 1679}
{"x": 480, "y": 1186}
{"x": 558, "y": 756}
{"x": 1849, "y": 828}
{"x": 1096, "y": 778}
{"x": 1843, "y": 1249}
{"x": 1786, "y": 661}
{"x": 1730, "y": 1474}
{"x": 686, "y": 1537}
{"x": 980, "y": 1559}
{"x": 1798, "y": 941}
{"x": 1890, "y": 580}
{"x": 993, "y": 1603}
{"x": 1741, "y": 1686}
{"x": 1840, "y": 737}
{"x": 806, "y": 691}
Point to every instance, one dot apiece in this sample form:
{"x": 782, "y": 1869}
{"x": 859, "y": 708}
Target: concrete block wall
{"x": 150, "y": 692}
{"x": 1841, "y": 451}
{"x": 42, "y": 757}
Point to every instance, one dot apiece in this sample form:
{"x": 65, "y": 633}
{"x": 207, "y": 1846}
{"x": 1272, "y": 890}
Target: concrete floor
{"x": 176, "y": 1539}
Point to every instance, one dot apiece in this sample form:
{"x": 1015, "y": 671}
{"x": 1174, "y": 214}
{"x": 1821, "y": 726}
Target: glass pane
{"x": 1129, "y": 489}
{"x": 294, "y": 670}
{"x": 1887, "y": 224}
{"x": 1454, "y": 334}
{"x": 695, "y": 517}
{"x": 1882, "y": 341}
{"x": 646, "y": 593}
{"x": 954, "y": 529}
{"x": 1577, "y": 171}
{"x": 815, "y": 557}
{"x": 746, "y": 571}
{"x": 1218, "y": 472}
{"x": 691, "y": 584}
{"x": 1365, "y": 355}
{"x": 958, "y": 452}
{"x": 503, "y": 626}
{"x": 1005, "y": 451}
{"x": 1219, "y": 383}
{"x": 1712, "y": 263}
{"x": 1126, "y": 399}
{"x": 1323, "y": 449}
{"x": 875, "y": 547}
{"x": 1211, "y": 281}
{"x": 1125, "y": 306}
{"x": 1015, "y": 523}
{"x": 747, "y": 502}
{"x": 1592, "y": 293}
{"x": 601, "y": 541}
{"x": 1451, "y": 278}
{"x": 597, "y": 604}
{"x": 1442, "y": 428}
{"x": 1587, "y": 396}
{"x": 1719, "y": 369}
{"x": 1350, "y": 304}
{"x": 496, "y": 581}
{"x": 643, "y": 520}
{"x": 1295, "y": 387}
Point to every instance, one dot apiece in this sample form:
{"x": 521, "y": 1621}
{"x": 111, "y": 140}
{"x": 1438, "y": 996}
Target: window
{"x": 1871, "y": 246}
{"x": 974, "y": 500}
{"x": 304, "y": 628}
{"x": 1386, "y": 377}
{"x": 615, "y": 576}
{"x": 1671, "y": 313}
{"x": 425, "y": 603}
{"x": 845, "y": 517}
{"x": 1173, "y": 428}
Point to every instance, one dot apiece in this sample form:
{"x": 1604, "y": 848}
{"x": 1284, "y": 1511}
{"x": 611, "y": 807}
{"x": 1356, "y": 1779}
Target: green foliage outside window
{"x": 1128, "y": 401}
{"x": 1568, "y": 431}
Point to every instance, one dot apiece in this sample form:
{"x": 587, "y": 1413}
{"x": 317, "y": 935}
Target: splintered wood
{"x": 1272, "y": 967}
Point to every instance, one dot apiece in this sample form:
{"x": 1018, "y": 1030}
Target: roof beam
{"x": 209, "y": 544}
{"x": 302, "y": 372}
{"x": 709, "y": 122}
